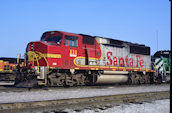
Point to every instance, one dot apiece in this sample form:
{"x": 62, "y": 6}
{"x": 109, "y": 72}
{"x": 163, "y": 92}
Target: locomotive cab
{"x": 51, "y": 48}
{"x": 55, "y": 50}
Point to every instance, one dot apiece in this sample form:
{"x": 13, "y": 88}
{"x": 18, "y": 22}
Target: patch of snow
{"x": 158, "y": 106}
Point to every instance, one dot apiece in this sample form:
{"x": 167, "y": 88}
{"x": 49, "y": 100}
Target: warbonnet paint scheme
{"x": 68, "y": 59}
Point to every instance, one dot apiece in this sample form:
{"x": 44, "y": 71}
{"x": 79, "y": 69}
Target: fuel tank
{"x": 112, "y": 77}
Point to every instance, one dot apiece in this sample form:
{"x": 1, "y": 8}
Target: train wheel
{"x": 147, "y": 79}
{"x": 129, "y": 82}
{"x": 56, "y": 79}
{"x": 135, "y": 79}
{"x": 79, "y": 79}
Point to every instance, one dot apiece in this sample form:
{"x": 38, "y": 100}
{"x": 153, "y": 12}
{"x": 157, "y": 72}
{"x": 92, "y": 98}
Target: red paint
{"x": 140, "y": 62}
{"x": 115, "y": 61}
{"x": 121, "y": 62}
{"x": 126, "y": 60}
{"x": 131, "y": 62}
{"x": 108, "y": 57}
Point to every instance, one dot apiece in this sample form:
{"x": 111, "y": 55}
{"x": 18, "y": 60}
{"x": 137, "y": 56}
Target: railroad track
{"x": 59, "y": 104}
{"x": 11, "y": 88}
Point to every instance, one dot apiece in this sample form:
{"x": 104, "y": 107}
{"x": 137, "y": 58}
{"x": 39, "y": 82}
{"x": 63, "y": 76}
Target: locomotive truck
{"x": 69, "y": 59}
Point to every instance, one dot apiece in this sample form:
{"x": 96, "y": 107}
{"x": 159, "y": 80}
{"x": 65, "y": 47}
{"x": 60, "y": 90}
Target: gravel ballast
{"x": 55, "y": 94}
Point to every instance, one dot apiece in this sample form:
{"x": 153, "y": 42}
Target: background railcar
{"x": 7, "y": 70}
{"x": 162, "y": 62}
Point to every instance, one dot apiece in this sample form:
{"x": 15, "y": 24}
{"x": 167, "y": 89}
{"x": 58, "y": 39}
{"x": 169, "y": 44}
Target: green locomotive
{"x": 162, "y": 64}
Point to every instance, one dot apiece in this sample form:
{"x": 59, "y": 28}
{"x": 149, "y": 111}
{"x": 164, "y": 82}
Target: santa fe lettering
{"x": 120, "y": 61}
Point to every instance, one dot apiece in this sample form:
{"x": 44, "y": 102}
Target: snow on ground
{"x": 54, "y": 94}
{"x": 158, "y": 106}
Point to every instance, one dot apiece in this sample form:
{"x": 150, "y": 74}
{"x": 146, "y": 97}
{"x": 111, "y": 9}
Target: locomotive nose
{"x": 35, "y": 54}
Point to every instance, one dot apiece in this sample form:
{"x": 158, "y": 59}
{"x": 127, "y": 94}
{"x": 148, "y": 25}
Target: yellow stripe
{"x": 1, "y": 60}
{"x": 114, "y": 68}
{"x": 124, "y": 69}
{"x": 53, "y": 55}
{"x": 76, "y": 68}
{"x": 6, "y": 62}
{"x": 33, "y": 54}
{"x": 2, "y": 70}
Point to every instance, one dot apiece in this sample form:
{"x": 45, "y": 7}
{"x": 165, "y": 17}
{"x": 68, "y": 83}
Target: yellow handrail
{"x": 155, "y": 70}
{"x": 36, "y": 55}
{"x": 43, "y": 56}
{"x": 37, "y": 63}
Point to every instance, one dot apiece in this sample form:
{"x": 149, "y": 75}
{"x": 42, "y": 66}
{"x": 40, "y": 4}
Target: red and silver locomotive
{"x": 68, "y": 59}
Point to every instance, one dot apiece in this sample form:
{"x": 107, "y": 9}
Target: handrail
{"x": 37, "y": 61}
{"x": 43, "y": 56}
{"x": 155, "y": 70}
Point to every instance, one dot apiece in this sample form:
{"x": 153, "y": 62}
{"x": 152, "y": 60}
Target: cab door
{"x": 70, "y": 51}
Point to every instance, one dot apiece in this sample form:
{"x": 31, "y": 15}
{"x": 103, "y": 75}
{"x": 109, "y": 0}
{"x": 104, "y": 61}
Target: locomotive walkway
{"x": 73, "y": 96}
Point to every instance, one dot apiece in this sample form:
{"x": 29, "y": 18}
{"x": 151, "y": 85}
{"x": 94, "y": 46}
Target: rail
{"x": 118, "y": 99}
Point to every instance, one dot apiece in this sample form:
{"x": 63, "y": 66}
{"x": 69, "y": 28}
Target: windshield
{"x": 56, "y": 39}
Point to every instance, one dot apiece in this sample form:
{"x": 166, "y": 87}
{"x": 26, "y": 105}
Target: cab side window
{"x": 71, "y": 41}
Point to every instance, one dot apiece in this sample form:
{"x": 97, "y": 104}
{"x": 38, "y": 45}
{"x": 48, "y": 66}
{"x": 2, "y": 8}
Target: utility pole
{"x": 157, "y": 38}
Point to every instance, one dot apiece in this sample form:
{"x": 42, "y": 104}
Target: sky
{"x": 139, "y": 21}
